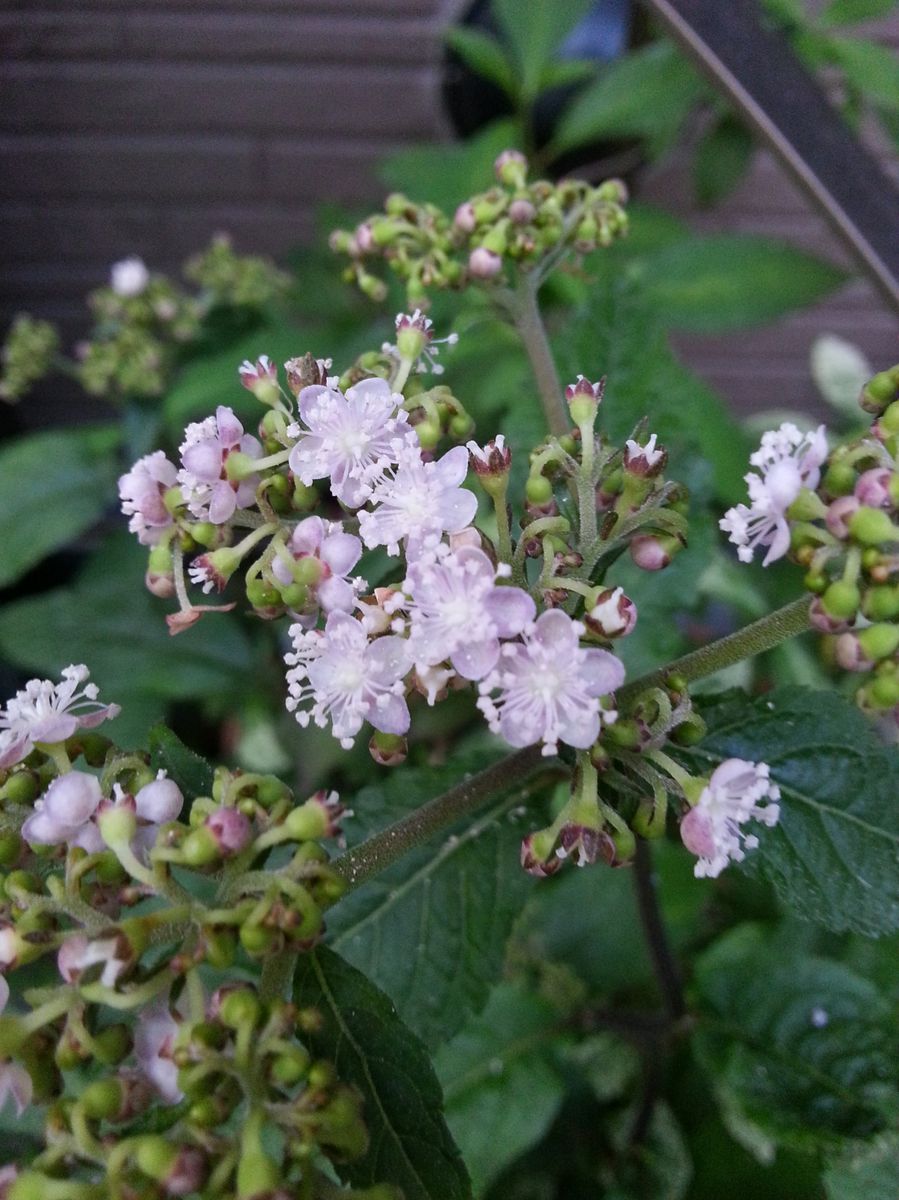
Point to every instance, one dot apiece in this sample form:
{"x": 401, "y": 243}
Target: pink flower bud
{"x": 645, "y": 460}
{"x": 648, "y": 552}
{"x": 838, "y": 513}
{"x": 583, "y": 387}
{"x": 231, "y": 830}
{"x": 873, "y": 488}
{"x": 187, "y": 1173}
{"x": 263, "y": 370}
{"x": 820, "y": 619}
{"x": 465, "y": 218}
{"x": 511, "y": 168}
{"x": 521, "y": 212}
{"x": 849, "y": 654}
{"x": 160, "y": 583}
{"x": 159, "y": 801}
{"x": 484, "y": 264}
{"x": 363, "y": 238}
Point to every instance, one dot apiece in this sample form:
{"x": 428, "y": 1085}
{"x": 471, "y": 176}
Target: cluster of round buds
{"x": 837, "y": 515}
{"x": 512, "y": 226}
{"x": 27, "y": 356}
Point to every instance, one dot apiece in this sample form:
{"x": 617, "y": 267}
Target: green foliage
{"x": 501, "y": 1086}
{"x": 647, "y": 95}
{"x": 53, "y": 486}
{"x": 107, "y": 619}
{"x": 722, "y": 159}
{"x": 866, "y": 1172}
{"x": 431, "y": 930}
{"x": 192, "y": 773}
{"x": 799, "y": 1047}
{"x": 484, "y": 55}
{"x": 534, "y": 29}
{"x": 849, "y": 12}
{"x": 410, "y": 1145}
{"x": 832, "y": 856}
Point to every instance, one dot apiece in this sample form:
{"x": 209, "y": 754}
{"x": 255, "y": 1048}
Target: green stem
{"x": 384, "y": 848}
{"x": 532, "y": 332}
{"x": 504, "y": 532}
{"x": 753, "y": 639}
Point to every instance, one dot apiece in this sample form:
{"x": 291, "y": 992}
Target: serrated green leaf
{"x": 108, "y": 620}
{"x": 501, "y": 1088}
{"x": 410, "y": 1145}
{"x": 211, "y": 379}
{"x": 431, "y": 930}
{"x": 534, "y": 29}
{"x": 799, "y": 1046}
{"x": 722, "y": 160}
{"x": 192, "y": 773}
{"x": 484, "y": 55}
{"x": 851, "y": 12}
{"x": 832, "y": 858}
{"x": 646, "y": 94}
{"x": 730, "y": 281}
{"x": 866, "y": 1172}
{"x": 447, "y": 175}
{"x": 53, "y": 486}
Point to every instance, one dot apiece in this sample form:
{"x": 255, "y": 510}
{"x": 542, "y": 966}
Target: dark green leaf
{"x": 446, "y": 175}
{"x": 851, "y": 12}
{"x": 53, "y": 486}
{"x": 566, "y": 73}
{"x": 484, "y": 55}
{"x": 870, "y": 67}
{"x": 362, "y": 1035}
{"x": 647, "y": 94}
{"x": 722, "y": 160}
{"x": 432, "y": 929}
{"x": 212, "y": 379}
{"x": 501, "y": 1089}
{"x": 799, "y": 1047}
{"x": 657, "y": 1168}
{"x": 729, "y": 281}
{"x": 109, "y": 620}
{"x": 832, "y": 856}
{"x": 534, "y": 29}
{"x": 866, "y": 1172}
{"x": 192, "y": 773}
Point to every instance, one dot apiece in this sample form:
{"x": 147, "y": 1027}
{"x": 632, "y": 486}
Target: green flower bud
{"x": 841, "y": 600}
{"x": 22, "y": 787}
{"x": 538, "y": 490}
{"x": 889, "y": 421}
{"x": 117, "y": 824}
{"x": 881, "y": 603}
{"x": 240, "y": 1008}
{"x": 840, "y": 478}
{"x": 155, "y": 1157}
{"x": 884, "y": 689}
{"x": 879, "y": 641}
{"x": 290, "y": 1066}
{"x": 872, "y": 527}
{"x": 112, "y": 1044}
{"x": 10, "y": 849}
{"x": 102, "y": 1100}
{"x": 257, "y": 940}
{"x": 200, "y": 848}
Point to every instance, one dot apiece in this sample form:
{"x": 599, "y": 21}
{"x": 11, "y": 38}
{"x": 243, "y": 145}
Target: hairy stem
{"x": 530, "y": 327}
{"x": 384, "y": 848}
{"x": 761, "y": 635}
{"x": 664, "y": 966}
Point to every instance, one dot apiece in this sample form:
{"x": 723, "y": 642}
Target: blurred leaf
{"x": 789, "y": 12}
{"x": 211, "y": 379}
{"x": 730, "y": 281}
{"x": 646, "y": 94}
{"x": 53, "y": 486}
{"x": 484, "y": 55}
{"x": 840, "y": 371}
{"x": 566, "y": 72}
{"x": 658, "y": 1167}
{"x": 500, "y": 1086}
{"x": 872, "y": 68}
{"x": 410, "y": 1145}
{"x": 722, "y": 160}
{"x": 852, "y": 12}
{"x": 109, "y": 620}
{"x": 534, "y": 28}
{"x": 800, "y": 1047}
{"x": 192, "y": 773}
{"x": 446, "y": 175}
{"x": 832, "y": 856}
{"x": 865, "y": 1172}
{"x": 431, "y": 930}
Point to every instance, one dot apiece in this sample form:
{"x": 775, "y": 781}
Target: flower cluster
{"x": 144, "y": 1004}
{"x": 515, "y": 225}
{"x": 736, "y": 792}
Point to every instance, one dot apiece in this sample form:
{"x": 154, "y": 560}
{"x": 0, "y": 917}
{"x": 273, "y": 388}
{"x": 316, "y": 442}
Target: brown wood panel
{"x": 324, "y": 8}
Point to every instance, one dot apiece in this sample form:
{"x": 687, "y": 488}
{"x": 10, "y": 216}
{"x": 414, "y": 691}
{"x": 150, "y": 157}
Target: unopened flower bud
{"x": 413, "y": 333}
{"x": 849, "y": 654}
{"x": 318, "y": 818}
{"x": 388, "y": 749}
{"x": 873, "y": 487}
{"x": 484, "y": 264}
{"x": 652, "y": 551}
{"x": 880, "y": 391}
{"x": 511, "y": 168}
{"x": 872, "y": 527}
{"x": 306, "y": 372}
{"x": 820, "y": 619}
{"x": 232, "y": 831}
{"x": 881, "y": 603}
{"x": 465, "y": 218}
{"x": 521, "y": 212}
{"x": 117, "y": 820}
{"x": 612, "y": 614}
{"x": 879, "y": 641}
{"x": 838, "y": 513}
{"x": 841, "y": 600}
{"x": 584, "y": 399}
{"x": 260, "y": 378}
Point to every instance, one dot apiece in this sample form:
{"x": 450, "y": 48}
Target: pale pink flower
{"x": 142, "y": 492}
{"x": 77, "y": 954}
{"x": 347, "y": 678}
{"x": 788, "y": 461}
{"x": 154, "y": 1039}
{"x": 457, "y": 611}
{"x": 262, "y": 370}
{"x": 129, "y": 277}
{"x": 737, "y": 792}
{"x": 336, "y": 551}
{"x": 550, "y": 687}
{"x": 15, "y": 1082}
{"x": 50, "y": 712}
{"x": 419, "y": 502}
{"x": 208, "y": 492}
{"x": 64, "y": 811}
{"x": 349, "y": 439}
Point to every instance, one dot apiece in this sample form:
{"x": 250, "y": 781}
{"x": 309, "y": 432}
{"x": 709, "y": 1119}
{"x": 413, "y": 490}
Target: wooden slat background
{"x": 144, "y": 129}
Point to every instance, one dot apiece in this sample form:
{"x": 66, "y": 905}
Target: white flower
{"x": 142, "y": 492}
{"x": 208, "y": 492}
{"x": 50, "y": 712}
{"x": 76, "y": 954}
{"x": 458, "y": 613}
{"x": 129, "y": 277}
{"x": 788, "y": 460}
{"x": 154, "y": 1038}
{"x": 419, "y": 501}
{"x": 348, "y": 678}
{"x": 336, "y": 553}
{"x": 550, "y": 687}
{"x": 15, "y": 1082}
{"x": 348, "y": 439}
{"x": 737, "y": 792}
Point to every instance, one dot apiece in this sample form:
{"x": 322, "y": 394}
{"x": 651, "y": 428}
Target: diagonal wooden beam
{"x": 756, "y": 69}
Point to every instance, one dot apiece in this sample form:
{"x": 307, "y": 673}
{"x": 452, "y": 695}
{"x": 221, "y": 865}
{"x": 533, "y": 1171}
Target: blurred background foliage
{"x": 566, "y": 1084}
